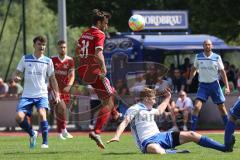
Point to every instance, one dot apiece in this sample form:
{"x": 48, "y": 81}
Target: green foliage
{"x": 219, "y": 18}
{"x": 40, "y": 20}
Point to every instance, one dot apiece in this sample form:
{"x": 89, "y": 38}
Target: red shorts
{"x": 91, "y": 75}
{"x": 63, "y": 96}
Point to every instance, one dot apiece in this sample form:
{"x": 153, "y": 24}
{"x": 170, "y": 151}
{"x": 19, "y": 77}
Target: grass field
{"x": 81, "y": 148}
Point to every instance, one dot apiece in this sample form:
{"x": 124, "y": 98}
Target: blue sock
{"x": 194, "y": 122}
{"x": 229, "y": 130}
{"x": 225, "y": 119}
{"x": 26, "y": 127}
{"x": 210, "y": 143}
{"x": 44, "y": 129}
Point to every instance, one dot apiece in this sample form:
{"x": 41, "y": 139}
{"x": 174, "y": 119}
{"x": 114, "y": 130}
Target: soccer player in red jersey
{"x": 92, "y": 69}
{"x": 64, "y": 72}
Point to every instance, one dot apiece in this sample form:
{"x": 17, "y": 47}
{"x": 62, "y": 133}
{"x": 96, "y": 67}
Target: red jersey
{"x": 62, "y": 69}
{"x": 90, "y": 40}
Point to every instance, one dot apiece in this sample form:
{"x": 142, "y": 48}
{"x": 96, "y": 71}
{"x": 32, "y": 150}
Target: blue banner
{"x": 164, "y": 20}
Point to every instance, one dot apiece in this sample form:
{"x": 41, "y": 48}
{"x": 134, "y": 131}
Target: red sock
{"x": 102, "y": 118}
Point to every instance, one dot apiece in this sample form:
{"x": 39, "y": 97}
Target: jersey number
{"x": 84, "y": 49}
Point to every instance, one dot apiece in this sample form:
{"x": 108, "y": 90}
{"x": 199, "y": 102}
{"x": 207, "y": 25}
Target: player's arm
{"x": 162, "y": 107}
{"x": 17, "y": 76}
{"x": 192, "y": 74}
{"x": 120, "y": 129}
{"x": 225, "y": 80}
{"x": 71, "y": 77}
{"x": 54, "y": 85}
{"x": 101, "y": 60}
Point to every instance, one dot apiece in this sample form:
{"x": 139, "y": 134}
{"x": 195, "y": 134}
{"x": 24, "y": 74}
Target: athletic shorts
{"x": 235, "y": 109}
{"x": 26, "y": 104}
{"x": 166, "y": 140}
{"x": 210, "y": 89}
{"x": 91, "y": 75}
{"x": 63, "y": 96}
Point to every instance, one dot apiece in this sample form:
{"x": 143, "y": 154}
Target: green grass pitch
{"x": 82, "y": 148}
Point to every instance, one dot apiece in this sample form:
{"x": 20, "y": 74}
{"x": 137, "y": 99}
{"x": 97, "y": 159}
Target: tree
{"x": 40, "y": 20}
{"x": 219, "y": 18}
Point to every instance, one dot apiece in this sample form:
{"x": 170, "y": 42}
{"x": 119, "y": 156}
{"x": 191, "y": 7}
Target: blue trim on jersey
{"x": 36, "y": 61}
{"x": 29, "y": 57}
{"x": 141, "y": 106}
{"x": 235, "y": 109}
{"x": 214, "y": 57}
{"x": 210, "y": 89}
{"x": 205, "y": 59}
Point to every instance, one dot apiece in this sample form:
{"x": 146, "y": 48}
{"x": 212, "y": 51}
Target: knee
{"x": 19, "y": 118}
{"x": 155, "y": 149}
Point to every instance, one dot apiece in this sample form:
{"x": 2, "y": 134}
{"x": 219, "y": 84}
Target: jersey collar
{"x": 94, "y": 27}
{"x": 62, "y": 59}
{"x": 36, "y": 57}
{"x": 208, "y": 56}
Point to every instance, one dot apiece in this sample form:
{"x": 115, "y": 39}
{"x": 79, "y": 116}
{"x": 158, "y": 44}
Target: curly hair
{"x": 147, "y": 92}
{"x": 99, "y": 15}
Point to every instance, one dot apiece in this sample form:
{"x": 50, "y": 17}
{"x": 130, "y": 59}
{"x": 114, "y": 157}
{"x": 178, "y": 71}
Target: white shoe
{"x": 185, "y": 128}
{"x": 44, "y": 146}
{"x": 60, "y": 136}
{"x": 174, "y": 128}
{"x": 67, "y": 135}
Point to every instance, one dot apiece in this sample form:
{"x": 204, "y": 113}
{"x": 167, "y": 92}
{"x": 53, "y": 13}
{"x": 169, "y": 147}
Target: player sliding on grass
{"x": 147, "y": 135}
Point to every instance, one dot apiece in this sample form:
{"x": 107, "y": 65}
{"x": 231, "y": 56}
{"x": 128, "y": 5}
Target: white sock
{"x": 64, "y": 130}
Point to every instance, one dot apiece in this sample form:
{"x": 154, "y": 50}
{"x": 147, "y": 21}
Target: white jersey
{"x": 185, "y": 103}
{"x": 208, "y": 67}
{"x": 143, "y": 125}
{"x": 36, "y": 74}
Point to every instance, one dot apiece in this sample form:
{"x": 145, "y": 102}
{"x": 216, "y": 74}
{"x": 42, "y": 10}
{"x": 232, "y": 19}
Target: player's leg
{"x": 190, "y": 136}
{"x": 95, "y": 104}
{"x": 223, "y": 111}
{"x": 197, "y": 107}
{"x": 231, "y": 124}
{"x": 155, "y": 148}
{"x": 60, "y": 112}
{"x": 105, "y": 92}
{"x": 42, "y": 107}
{"x": 65, "y": 103}
{"x": 219, "y": 99}
{"x": 202, "y": 96}
{"x": 25, "y": 107}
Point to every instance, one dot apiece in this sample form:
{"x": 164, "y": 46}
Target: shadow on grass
{"x": 41, "y": 152}
{"x": 118, "y": 153}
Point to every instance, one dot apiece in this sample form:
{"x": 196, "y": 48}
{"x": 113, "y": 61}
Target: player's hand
{"x": 165, "y": 93}
{"x": 17, "y": 78}
{"x": 114, "y": 139}
{"x": 67, "y": 88}
{"x": 227, "y": 91}
{"x": 57, "y": 99}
